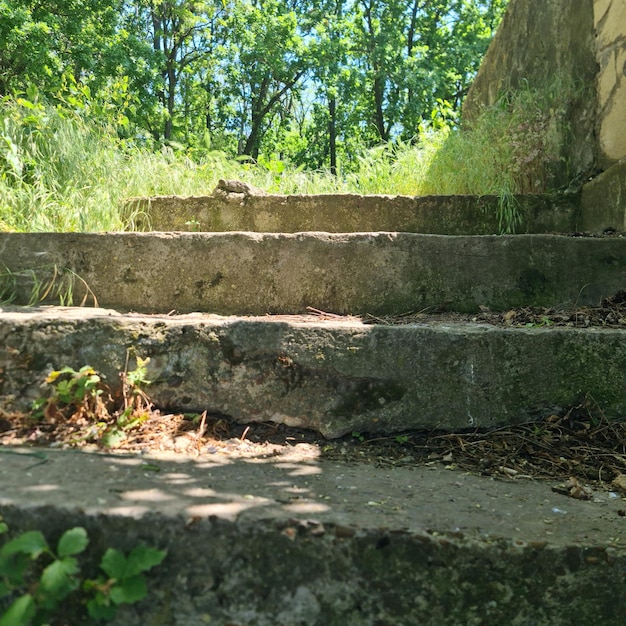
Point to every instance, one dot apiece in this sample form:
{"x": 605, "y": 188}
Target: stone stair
{"x": 294, "y": 327}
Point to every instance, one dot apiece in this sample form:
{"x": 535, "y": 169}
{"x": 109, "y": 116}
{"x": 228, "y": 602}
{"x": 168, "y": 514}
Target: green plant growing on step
{"x": 194, "y": 225}
{"x": 82, "y": 398}
{"x": 509, "y": 216}
{"x": 73, "y": 391}
{"x": 36, "y": 581}
{"x": 543, "y": 322}
{"x": 8, "y": 287}
{"x": 59, "y": 286}
{"x": 136, "y": 407}
{"x": 123, "y": 581}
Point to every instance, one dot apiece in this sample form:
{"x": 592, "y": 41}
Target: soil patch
{"x": 610, "y": 313}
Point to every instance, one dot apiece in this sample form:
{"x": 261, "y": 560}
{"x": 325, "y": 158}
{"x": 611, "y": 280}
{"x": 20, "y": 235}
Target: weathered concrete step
{"x": 248, "y": 273}
{"x": 344, "y": 213}
{"x": 332, "y": 376}
{"x": 295, "y": 540}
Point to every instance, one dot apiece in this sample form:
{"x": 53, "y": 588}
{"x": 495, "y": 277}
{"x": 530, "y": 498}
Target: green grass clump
{"x": 510, "y": 148}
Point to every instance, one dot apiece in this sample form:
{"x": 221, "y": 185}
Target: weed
{"x": 33, "y": 591}
{"x": 358, "y": 436}
{"x": 194, "y": 225}
{"x": 46, "y": 283}
{"x": 72, "y": 392}
{"x": 123, "y": 582}
{"x": 509, "y": 217}
{"x": 544, "y": 321}
{"x": 81, "y": 396}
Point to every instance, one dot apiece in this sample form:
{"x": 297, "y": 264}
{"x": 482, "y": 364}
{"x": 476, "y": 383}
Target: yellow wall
{"x": 610, "y": 26}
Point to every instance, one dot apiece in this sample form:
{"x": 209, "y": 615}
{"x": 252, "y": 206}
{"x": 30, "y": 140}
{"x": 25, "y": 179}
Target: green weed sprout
{"x": 34, "y": 590}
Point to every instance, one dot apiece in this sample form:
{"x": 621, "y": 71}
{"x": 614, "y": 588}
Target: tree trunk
{"x": 379, "y": 111}
{"x": 332, "y": 134}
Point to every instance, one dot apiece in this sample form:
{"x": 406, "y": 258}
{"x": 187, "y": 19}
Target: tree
{"x": 42, "y": 41}
{"x": 265, "y": 61}
{"x": 178, "y": 32}
{"x": 313, "y": 81}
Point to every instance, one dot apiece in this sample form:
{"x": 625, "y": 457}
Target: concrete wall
{"x": 581, "y": 43}
{"x": 610, "y": 26}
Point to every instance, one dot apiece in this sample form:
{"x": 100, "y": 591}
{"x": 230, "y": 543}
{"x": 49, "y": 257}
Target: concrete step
{"x": 355, "y": 273}
{"x": 342, "y": 213}
{"x": 334, "y": 376}
{"x": 292, "y": 539}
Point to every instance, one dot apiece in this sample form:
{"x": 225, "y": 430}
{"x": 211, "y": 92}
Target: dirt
{"x": 579, "y": 446}
{"x": 610, "y": 313}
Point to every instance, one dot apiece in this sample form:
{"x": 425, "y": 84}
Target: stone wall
{"x": 580, "y": 43}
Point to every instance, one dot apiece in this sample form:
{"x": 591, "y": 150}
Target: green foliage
{"x": 311, "y": 81}
{"x": 54, "y": 170}
{"x": 72, "y": 387}
{"x": 35, "y": 581}
{"x": 511, "y": 147}
{"x": 508, "y": 149}
{"x": 72, "y": 391}
{"x": 113, "y": 100}
{"x": 47, "y": 283}
{"x": 101, "y": 415}
{"x": 123, "y": 581}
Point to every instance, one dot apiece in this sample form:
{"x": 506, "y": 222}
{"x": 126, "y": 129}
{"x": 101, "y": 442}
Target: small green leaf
{"x": 100, "y": 611}
{"x": 114, "y": 438}
{"x": 31, "y": 543}
{"x": 58, "y": 579}
{"x": 3, "y": 528}
{"x": 114, "y": 564}
{"x": 73, "y": 541}
{"x": 129, "y": 590}
{"x": 20, "y": 613}
{"x": 142, "y": 558}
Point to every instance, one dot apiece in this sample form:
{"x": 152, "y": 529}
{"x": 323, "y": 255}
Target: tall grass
{"x": 511, "y": 148}
{"x": 59, "y": 172}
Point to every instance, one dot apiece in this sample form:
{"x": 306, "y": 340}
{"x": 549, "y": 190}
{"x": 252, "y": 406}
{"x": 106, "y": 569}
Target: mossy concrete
{"x": 353, "y": 273}
{"x": 538, "y": 49}
{"x": 296, "y": 540}
{"x": 603, "y": 203}
{"x": 337, "y": 213}
{"x": 577, "y": 43}
{"x": 331, "y": 376}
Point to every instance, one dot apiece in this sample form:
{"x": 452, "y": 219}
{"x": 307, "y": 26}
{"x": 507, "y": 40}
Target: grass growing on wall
{"x": 59, "y": 172}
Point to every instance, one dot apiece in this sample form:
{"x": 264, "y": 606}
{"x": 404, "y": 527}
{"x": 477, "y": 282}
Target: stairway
{"x": 302, "y": 328}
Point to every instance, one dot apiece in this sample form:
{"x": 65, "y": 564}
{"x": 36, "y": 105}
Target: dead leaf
{"x": 619, "y": 482}
{"x": 574, "y": 489}
{"x": 509, "y": 316}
